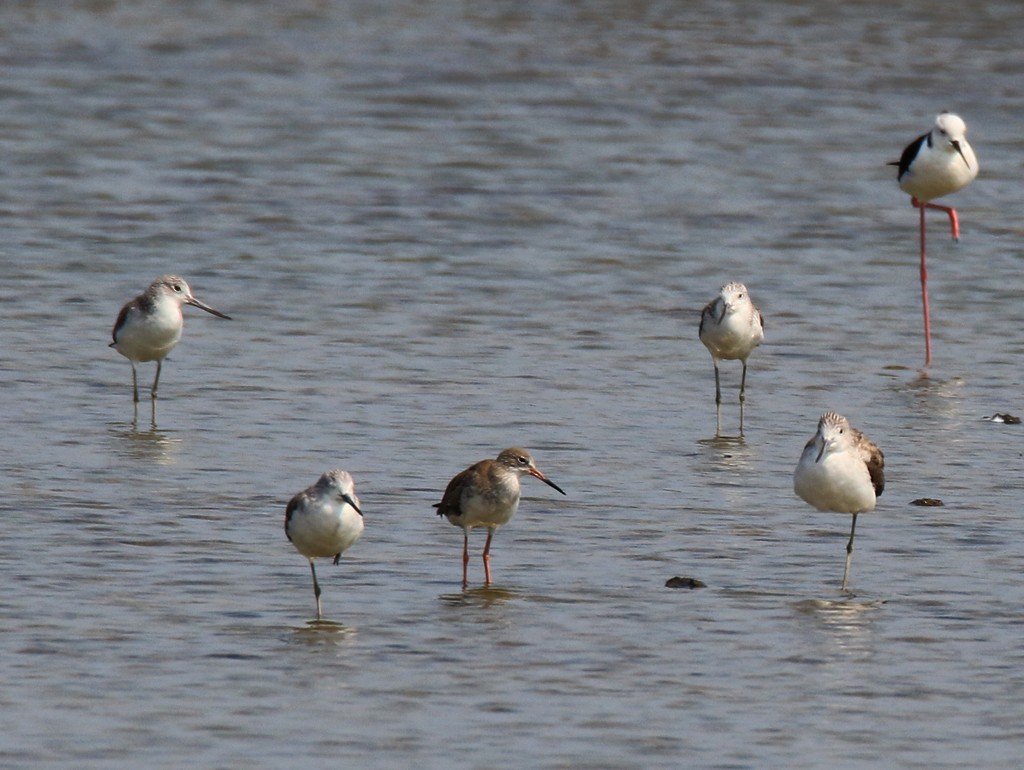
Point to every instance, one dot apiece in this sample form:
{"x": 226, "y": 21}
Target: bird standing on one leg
{"x": 149, "y": 326}
{"x": 487, "y": 495}
{"x": 323, "y": 521}
{"x": 840, "y": 470}
{"x": 933, "y": 165}
{"x": 730, "y": 328}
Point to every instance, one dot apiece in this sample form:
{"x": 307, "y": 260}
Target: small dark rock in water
{"x": 928, "y": 502}
{"x": 1005, "y": 417}
{"x": 684, "y": 582}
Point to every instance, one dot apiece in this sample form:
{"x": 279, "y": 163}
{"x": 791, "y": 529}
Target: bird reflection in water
{"x": 153, "y": 445}
{"x": 484, "y": 596}
{"x": 323, "y": 633}
{"x": 848, "y": 622}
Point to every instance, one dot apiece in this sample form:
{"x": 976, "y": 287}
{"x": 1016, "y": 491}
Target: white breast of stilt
{"x": 945, "y": 162}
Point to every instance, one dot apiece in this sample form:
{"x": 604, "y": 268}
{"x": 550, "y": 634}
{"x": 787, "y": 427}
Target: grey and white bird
{"x": 730, "y": 328}
{"x": 840, "y": 470}
{"x": 323, "y": 521}
{"x": 148, "y": 327}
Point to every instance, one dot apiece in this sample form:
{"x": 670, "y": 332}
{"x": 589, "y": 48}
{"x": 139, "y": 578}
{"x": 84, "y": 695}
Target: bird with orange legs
{"x": 486, "y": 494}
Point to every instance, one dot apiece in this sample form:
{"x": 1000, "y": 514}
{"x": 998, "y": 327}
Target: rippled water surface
{"x": 444, "y": 228}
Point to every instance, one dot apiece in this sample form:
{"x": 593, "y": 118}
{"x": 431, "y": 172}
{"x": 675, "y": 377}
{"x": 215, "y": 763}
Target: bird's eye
{"x": 176, "y": 287}
{"x": 523, "y": 460}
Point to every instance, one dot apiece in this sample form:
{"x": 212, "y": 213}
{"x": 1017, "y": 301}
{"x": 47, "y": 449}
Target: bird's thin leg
{"x": 487, "y": 557}
{"x": 743, "y": 394}
{"x": 156, "y": 380}
{"x": 849, "y": 551}
{"x": 316, "y": 591}
{"x": 924, "y": 288}
{"x": 954, "y": 220}
{"x": 465, "y": 558}
{"x": 135, "y": 383}
{"x": 718, "y": 403}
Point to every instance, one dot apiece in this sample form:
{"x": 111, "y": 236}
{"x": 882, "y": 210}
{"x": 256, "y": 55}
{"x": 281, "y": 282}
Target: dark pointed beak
{"x": 956, "y": 146}
{"x": 537, "y": 474}
{"x": 352, "y": 502}
{"x": 202, "y": 306}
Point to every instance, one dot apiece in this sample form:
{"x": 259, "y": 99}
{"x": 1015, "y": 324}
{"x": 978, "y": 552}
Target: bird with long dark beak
{"x": 730, "y": 328}
{"x": 933, "y": 165}
{"x": 323, "y": 521}
{"x": 486, "y": 494}
{"x": 840, "y": 470}
{"x": 148, "y": 327}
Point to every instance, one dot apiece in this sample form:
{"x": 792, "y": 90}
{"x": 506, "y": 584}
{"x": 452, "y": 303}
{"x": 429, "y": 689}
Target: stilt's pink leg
{"x": 924, "y": 289}
{"x": 954, "y": 220}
